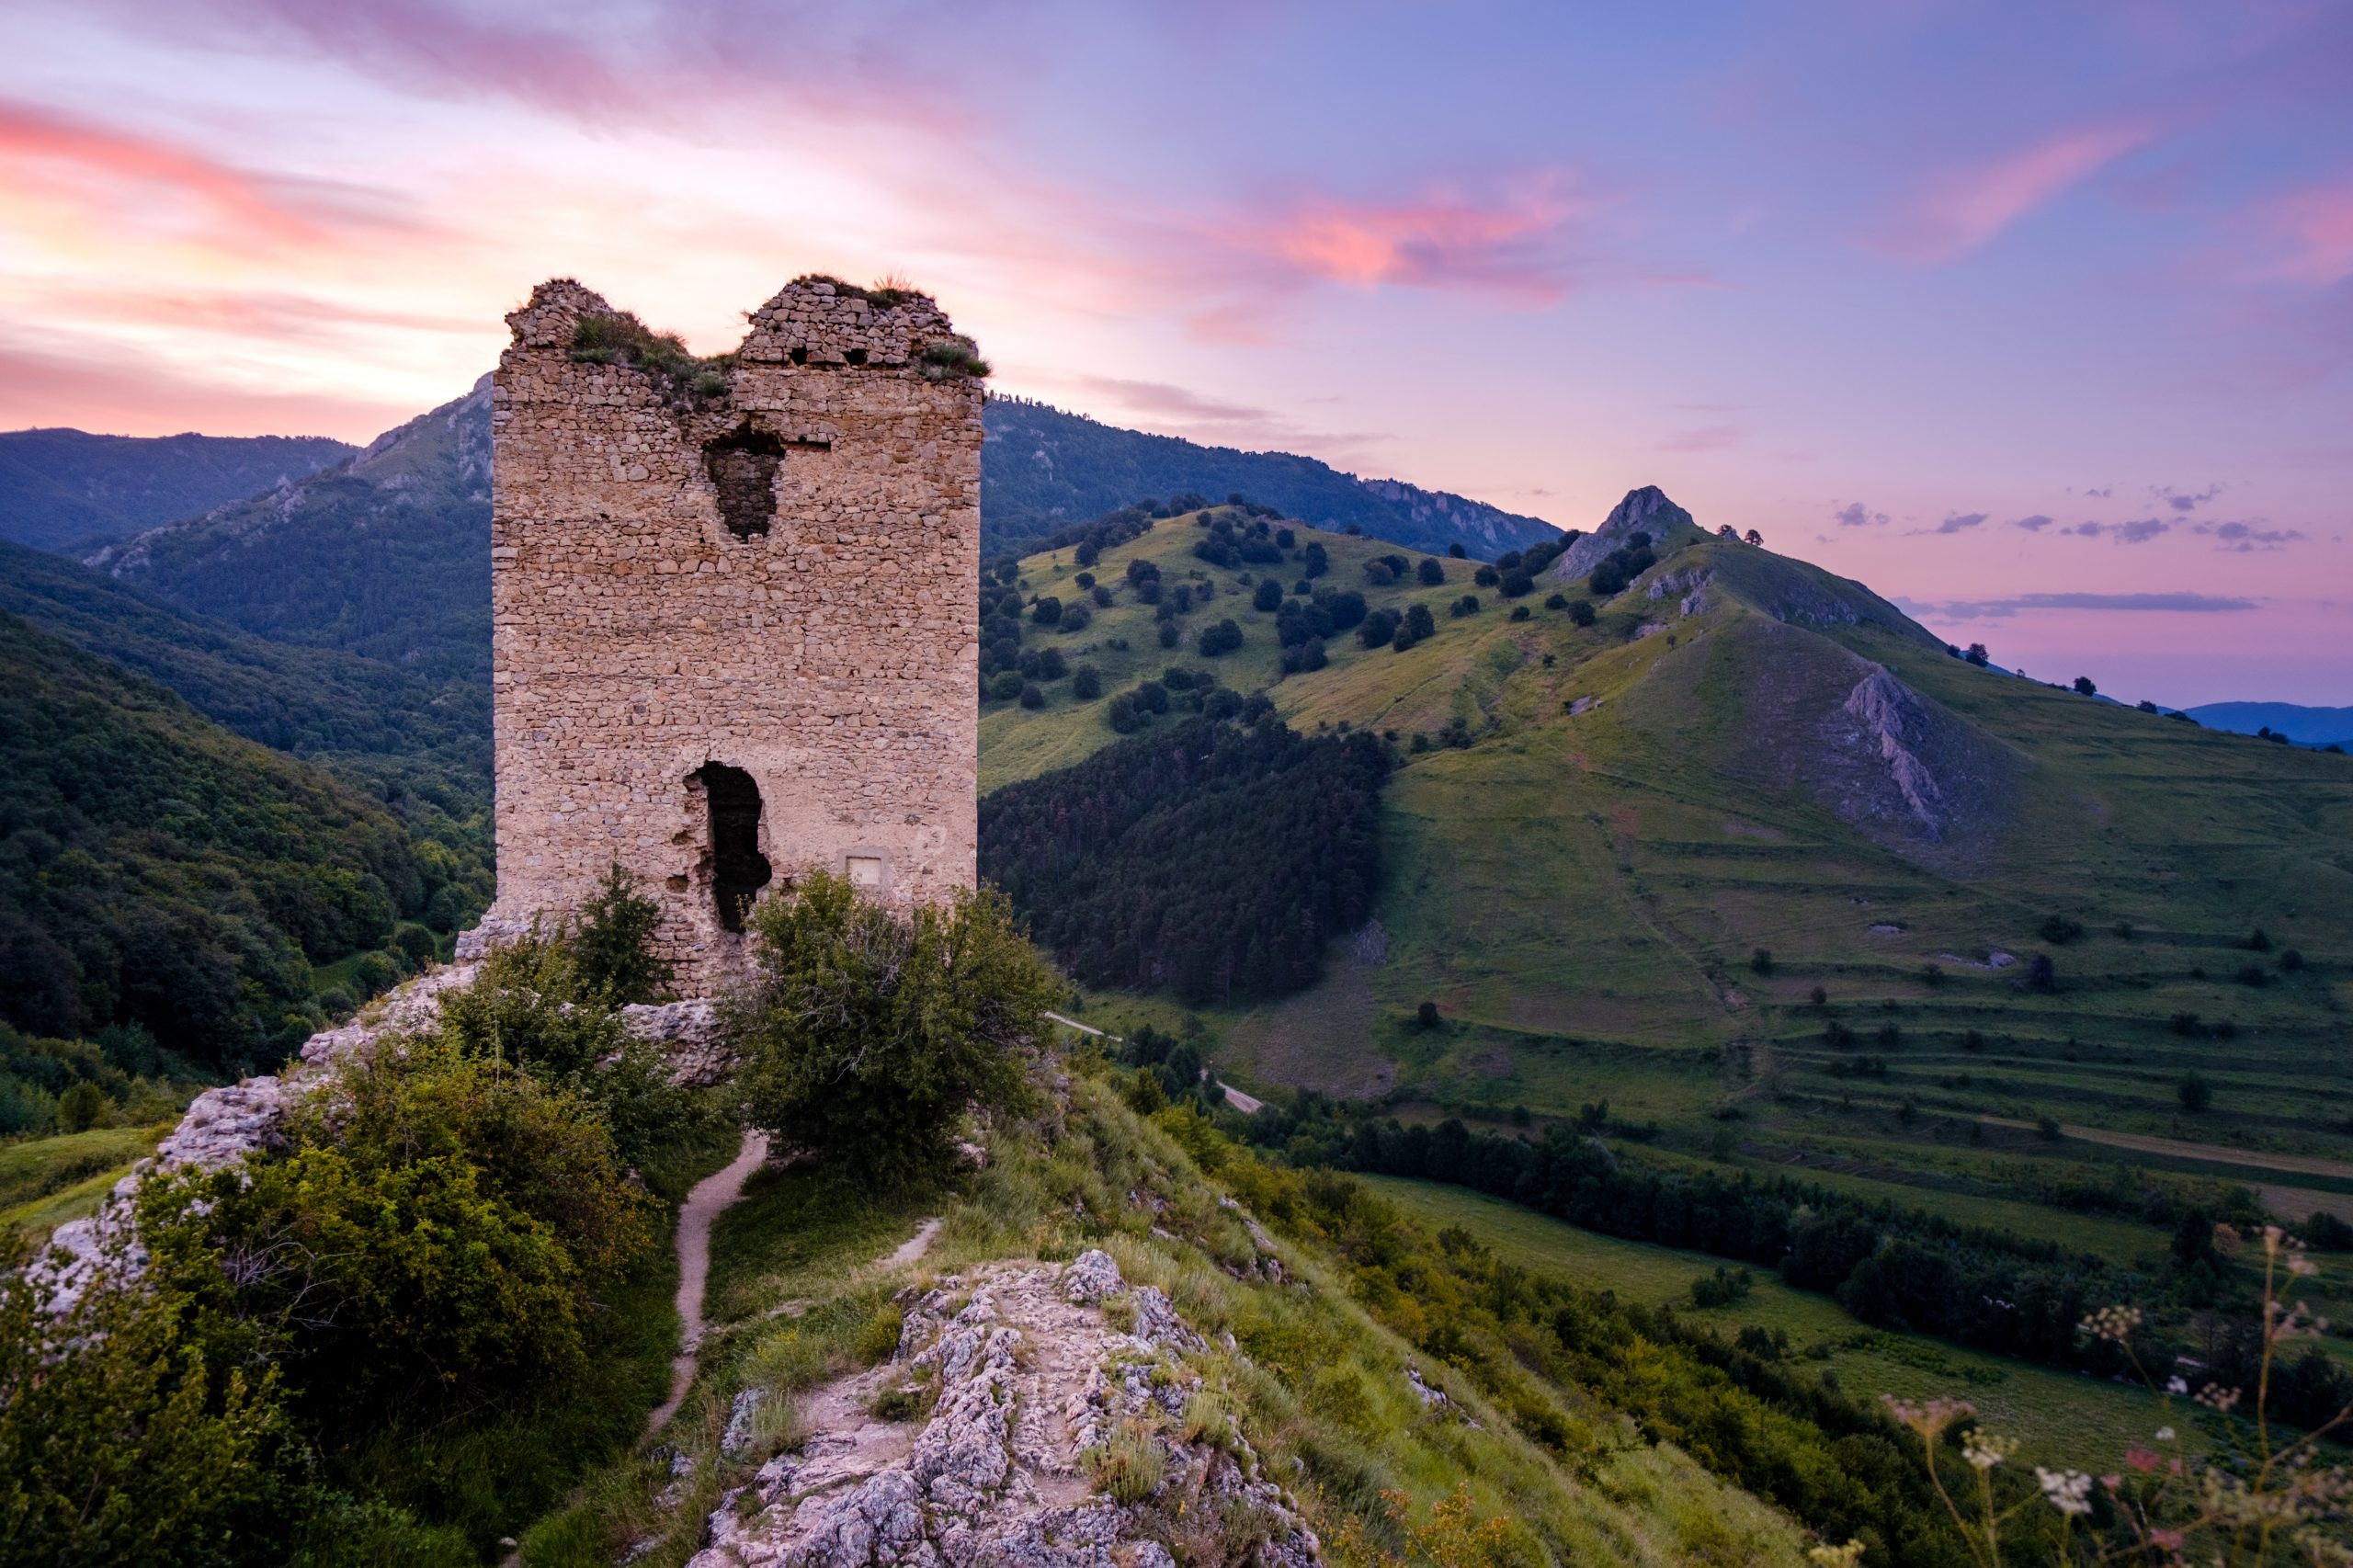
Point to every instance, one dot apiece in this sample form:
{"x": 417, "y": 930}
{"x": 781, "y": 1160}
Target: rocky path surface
{"x": 984, "y": 1440}
{"x": 713, "y": 1193}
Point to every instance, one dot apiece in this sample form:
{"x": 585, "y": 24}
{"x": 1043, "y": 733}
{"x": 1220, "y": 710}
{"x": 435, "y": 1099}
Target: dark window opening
{"x": 742, "y": 469}
{"x": 800, "y": 355}
{"x": 738, "y": 870}
{"x": 855, "y": 356}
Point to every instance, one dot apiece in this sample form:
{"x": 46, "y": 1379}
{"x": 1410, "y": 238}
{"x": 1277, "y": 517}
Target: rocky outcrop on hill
{"x": 1891, "y": 718}
{"x": 1646, "y": 510}
{"x": 224, "y": 1125}
{"x": 1065, "y": 1428}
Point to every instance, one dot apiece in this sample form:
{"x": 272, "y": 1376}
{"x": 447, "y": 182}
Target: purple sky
{"x": 2036, "y": 317}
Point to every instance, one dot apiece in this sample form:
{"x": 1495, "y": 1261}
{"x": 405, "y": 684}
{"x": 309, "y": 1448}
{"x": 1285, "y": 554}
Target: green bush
{"x": 122, "y": 1443}
{"x": 612, "y": 943}
{"x": 868, "y": 1030}
{"x": 436, "y": 1231}
{"x": 416, "y": 943}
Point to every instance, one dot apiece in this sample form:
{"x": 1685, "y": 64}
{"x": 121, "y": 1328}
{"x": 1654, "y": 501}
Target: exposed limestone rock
{"x": 1030, "y": 1379}
{"x": 1895, "y": 721}
{"x": 688, "y": 1034}
{"x": 1646, "y": 510}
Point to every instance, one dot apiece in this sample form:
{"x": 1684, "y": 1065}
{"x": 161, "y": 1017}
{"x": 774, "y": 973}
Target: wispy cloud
{"x": 2244, "y": 537}
{"x": 110, "y": 390}
{"x": 1961, "y": 210}
{"x": 2313, "y": 231}
{"x": 2030, "y": 603}
{"x": 1957, "y": 523}
{"x": 2184, "y": 500}
{"x": 83, "y": 170}
{"x": 2138, "y": 530}
{"x": 2034, "y": 525}
{"x": 1855, "y": 515}
{"x": 1173, "y": 401}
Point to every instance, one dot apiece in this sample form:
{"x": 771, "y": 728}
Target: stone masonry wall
{"x": 639, "y": 638}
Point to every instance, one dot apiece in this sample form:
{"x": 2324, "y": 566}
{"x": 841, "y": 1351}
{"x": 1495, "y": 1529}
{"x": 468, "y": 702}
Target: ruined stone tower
{"x": 735, "y": 621}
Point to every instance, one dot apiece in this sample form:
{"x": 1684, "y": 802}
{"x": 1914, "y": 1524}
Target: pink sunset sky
{"x": 2038, "y": 319}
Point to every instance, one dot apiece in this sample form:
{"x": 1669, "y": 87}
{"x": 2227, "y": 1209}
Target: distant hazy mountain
{"x": 1043, "y": 470}
{"x": 386, "y": 554}
{"x": 63, "y": 487}
{"x": 2305, "y": 726}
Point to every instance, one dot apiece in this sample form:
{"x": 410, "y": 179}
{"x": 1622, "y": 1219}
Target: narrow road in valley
{"x": 1083, "y": 1029}
{"x": 2180, "y": 1149}
{"x": 711, "y": 1194}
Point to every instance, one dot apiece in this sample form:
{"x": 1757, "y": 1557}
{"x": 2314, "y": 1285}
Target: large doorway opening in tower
{"x": 742, "y": 469}
{"x": 738, "y": 870}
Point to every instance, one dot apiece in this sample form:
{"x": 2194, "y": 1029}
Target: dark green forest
{"x": 1213, "y": 859}
{"x": 159, "y": 872}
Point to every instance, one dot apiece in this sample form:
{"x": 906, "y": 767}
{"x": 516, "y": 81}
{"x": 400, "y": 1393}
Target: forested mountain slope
{"x": 156, "y": 870}
{"x": 1044, "y": 470}
{"x": 307, "y": 700}
{"x": 60, "y": 488}
{"x": 386, "y": 554}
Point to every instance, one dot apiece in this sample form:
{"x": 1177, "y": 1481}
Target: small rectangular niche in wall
{"x": 866, "y": 869}
{"x": 742, "y": 470}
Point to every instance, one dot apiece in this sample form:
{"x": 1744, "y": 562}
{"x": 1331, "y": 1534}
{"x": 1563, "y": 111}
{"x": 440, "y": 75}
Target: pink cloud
{"x": 668, "y": 66}
{"x": 2315, "y": 228}
{"x": 1513, "y": 249}
{"x": 1962, "y": 211}
{"x": 120, "y": 393}
{"x": 107, "y": 172}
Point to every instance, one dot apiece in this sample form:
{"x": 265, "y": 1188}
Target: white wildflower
{"x": 2068, "y": 1490}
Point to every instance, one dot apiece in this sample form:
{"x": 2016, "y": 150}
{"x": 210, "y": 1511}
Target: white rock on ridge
{"x": 224, "y": 1125}
{"x": 1029, "y": 1377}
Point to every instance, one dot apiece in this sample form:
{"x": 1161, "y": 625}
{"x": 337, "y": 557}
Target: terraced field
{"x": 1660, "y": 839}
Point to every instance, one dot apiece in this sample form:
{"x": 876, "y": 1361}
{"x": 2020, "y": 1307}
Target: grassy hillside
{"x": 1623, "y": 859}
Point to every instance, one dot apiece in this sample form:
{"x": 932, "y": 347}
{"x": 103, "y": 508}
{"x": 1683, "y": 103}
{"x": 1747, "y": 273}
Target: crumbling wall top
{"x": 547, "y": 318}
{"x": 810, "y": 321}
{"x": 814, "y": 321}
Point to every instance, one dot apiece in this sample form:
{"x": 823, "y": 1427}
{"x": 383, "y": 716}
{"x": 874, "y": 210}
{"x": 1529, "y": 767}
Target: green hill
{"x": 60, "y": 488}
{"x": 1622, "y": 858}
{"x": 314, "y": 702}
{"x": 157, "y": 871}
